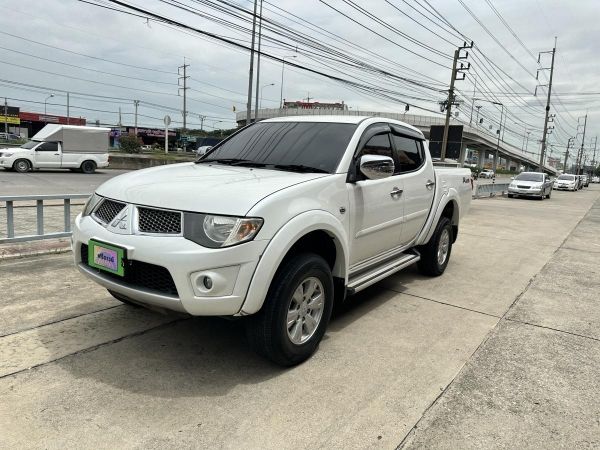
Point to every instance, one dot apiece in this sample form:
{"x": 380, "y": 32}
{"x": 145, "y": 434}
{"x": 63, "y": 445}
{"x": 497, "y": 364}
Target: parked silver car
{"x": 530, "y": 184}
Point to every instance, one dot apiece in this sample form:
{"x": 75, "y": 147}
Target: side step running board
{"x": 379, "y": 272}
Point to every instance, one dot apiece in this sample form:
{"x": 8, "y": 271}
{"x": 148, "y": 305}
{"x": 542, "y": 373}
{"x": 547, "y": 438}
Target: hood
{"x": 214, "y": 189}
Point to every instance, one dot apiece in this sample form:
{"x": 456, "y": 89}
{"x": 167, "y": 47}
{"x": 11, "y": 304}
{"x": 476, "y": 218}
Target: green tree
{"x": 130, "y": 143}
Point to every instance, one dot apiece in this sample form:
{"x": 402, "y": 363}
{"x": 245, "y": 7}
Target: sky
{"x": 107, "y": 59}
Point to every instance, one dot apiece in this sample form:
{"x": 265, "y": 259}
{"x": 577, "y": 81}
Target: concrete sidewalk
{"x": 534, "y": 382}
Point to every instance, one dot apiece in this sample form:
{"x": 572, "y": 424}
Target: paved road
{"x": 480, "y": 356}
{"x": 53, "y": 181}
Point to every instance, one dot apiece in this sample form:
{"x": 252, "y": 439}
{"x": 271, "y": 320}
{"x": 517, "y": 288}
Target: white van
{"x": 60, "y": 147}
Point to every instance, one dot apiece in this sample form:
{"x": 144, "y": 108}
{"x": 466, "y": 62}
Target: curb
{"x": 14, "y": 252}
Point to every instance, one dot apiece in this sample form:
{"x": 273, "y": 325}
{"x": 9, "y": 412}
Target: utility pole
{"x": 571, "y": 141}
{"x": 594, "y": 157}
{"x": 258, "y": 61}
{"x": 68, "y": 114}
{"x": 451, "y": 98}
{"x": 251, "y": 70}
{"x": 135, "y": 104}
{"x": 547, "y": 116}
{"x": 473, "y": 101}
{"x": 202, "y": 122}
{"x": 6, "y": 117}
{"x": 183, "y": 77}
{"x": 580, "y": 155}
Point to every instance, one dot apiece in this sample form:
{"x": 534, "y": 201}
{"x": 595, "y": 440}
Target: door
{"x": 377, "y": 205}
{"x": 47, "y": 155}
{"x": 416, "y": 173}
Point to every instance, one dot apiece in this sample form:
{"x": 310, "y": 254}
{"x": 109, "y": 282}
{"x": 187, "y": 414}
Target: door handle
{"x": 396, "y": 192}
{"x": 57, "y": 154}
{"x": 429, "y": 184}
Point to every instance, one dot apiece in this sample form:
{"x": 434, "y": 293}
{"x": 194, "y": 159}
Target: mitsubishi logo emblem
{"x": 120, "y": 222}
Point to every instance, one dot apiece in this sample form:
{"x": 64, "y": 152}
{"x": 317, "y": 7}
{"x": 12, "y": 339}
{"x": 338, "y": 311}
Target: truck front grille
{"x": 108, "y": 210}
{"x": 159, "y": 221}
{"x": 139, "y": 274}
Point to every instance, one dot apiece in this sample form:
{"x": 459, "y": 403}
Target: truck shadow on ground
{"x": 199, "y": 357}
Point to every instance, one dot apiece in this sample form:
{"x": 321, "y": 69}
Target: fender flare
{"x": 428, "y": 230}
{"x": 282, "y": 242}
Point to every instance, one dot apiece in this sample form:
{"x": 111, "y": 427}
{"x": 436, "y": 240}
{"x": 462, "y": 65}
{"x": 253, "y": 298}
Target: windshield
{"x": 30, "y": 144}
{"x": 286, "y": 145}
{"x": 530, "y": 176}
{"x": 566, "y": 177}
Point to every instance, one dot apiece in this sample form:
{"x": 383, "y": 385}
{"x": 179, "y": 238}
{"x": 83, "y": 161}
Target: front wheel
{"x": 296, "y": 312}
{"x": 436, "y": 253}
{"x": 549, "y": 193}
{"x": 22, "y": 165}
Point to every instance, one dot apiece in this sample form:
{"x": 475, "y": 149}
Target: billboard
{"x": 10, "y": 114}
{"x": 436, "y": 136}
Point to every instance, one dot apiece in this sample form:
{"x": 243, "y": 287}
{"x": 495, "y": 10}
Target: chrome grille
{"x": 108, "y": 210}
{"x": 159, "y": 221}
{"x": 523, "y": 187}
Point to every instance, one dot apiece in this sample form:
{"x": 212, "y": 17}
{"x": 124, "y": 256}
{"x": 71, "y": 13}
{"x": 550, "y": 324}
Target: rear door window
{"x": 409, "y": 153}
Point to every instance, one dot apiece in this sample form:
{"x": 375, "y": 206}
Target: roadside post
{"x": 167, "y": 121}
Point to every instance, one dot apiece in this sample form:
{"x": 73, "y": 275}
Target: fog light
{"x": 207, "y": 282}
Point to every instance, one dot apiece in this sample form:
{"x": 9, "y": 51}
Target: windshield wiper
{"x": 229, "y": 161}
{"x": 299, "y": 168}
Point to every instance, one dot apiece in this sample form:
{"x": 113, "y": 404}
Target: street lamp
{"x": 261, "y": 94}
{"x": 282, "y": 68}
{"x": 214, "y": 126}
{"x": 46, "y": 100}
{"x": 497, "y": 154}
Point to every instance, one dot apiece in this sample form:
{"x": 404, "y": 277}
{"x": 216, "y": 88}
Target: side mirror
{"x": 375, "y": 167}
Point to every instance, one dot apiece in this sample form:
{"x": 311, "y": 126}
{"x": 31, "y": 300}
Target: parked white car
{"x": 566, "y": 182}
{"x": 60, "y": 147}
{"x": 486, "y": 173}
{"x": 203, "y": 150}
{"x": 530, "y": 184}
{"x": 277, "y": 229}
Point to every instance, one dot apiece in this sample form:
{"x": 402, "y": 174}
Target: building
{"x": 26, "y": 124}
{"x": 316, "y": 105}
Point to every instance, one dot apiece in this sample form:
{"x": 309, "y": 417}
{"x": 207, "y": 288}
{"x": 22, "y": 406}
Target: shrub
{"x": 130, "y": 143}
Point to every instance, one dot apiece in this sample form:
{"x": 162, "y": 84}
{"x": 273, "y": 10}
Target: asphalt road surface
{"x": 501, "y": 351}
{"x": 53, "y": 181}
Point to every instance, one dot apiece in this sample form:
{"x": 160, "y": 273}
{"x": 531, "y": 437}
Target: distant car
{"x": 566, "y": 182}
{"x": 586, "y": 180}
{"x": 530, "y": 184}
{"x": 595, "y": 179}
{"x": 9, "y": 137}
{"x": 203, "y": 150}
{"x": 487, "y": 173}
{"x": 146, "y": 147}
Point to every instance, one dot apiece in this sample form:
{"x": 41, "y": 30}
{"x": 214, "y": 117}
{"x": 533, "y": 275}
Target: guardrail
{"x": 489, "y": 190}
{"x": 9, "y": 202}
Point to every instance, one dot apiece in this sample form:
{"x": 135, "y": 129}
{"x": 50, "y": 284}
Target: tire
{"x": 541, "y": 197}
{"x": 549, "y": 193}
{"x": 22, "y": 165}
{"x": 88, "y": 167}
{"x": 123, "y": 299}
{"x": 277, "y": 331}
{"x": 431, "y": 263}
{"x": 510, "y": 195}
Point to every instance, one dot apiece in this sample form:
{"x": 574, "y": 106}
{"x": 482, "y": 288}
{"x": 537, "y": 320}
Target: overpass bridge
{"x": 484, "y": 143}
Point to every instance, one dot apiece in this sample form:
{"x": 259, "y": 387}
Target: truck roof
{"x": 340, "y": 119}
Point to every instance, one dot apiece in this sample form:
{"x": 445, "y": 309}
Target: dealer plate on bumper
{"x": 106, "y": 257}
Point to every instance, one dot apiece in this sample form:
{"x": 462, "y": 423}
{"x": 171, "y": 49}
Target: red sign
{"x": 47, "y": 118}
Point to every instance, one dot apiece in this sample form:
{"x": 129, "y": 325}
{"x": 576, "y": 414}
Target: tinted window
{"x": 47, "y": 147}
{"x": 530, "y": 177}
{"x": 319, "y": 145}
{"x": 409, "y": 153}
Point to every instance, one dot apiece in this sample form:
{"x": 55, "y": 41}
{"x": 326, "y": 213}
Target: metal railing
{"x": 9, "y": 204}
{"x": 489, "y": 190}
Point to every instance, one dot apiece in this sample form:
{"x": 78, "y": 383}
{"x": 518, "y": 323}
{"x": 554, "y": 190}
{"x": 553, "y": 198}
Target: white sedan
{"x": 566, "y": 182}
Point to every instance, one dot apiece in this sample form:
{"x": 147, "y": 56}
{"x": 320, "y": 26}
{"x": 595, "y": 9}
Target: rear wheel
{"x": 88, "y": 167}
{"x": 510, "y": 195}
{"x": 22, "y": 165}
{"x": 294, "y": 317}
{"x": 436, "y": 253}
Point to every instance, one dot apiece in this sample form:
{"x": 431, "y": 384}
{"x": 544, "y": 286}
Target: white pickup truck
{"x": 277, "y": 222}
{"x": 60, "y": 147}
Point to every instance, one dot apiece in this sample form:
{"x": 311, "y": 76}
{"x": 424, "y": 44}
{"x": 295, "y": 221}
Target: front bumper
{"x": 186, "y": 261}
{"x": 6, "y": 162}
{"x": 564, "y": 187}
{"x": 525, "y": 192}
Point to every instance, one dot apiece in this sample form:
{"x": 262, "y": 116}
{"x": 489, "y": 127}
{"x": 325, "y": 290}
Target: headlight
{"x": 90, "y": 204}
{"x": 219, "y": 231}
{"x": 6, "y": 154}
